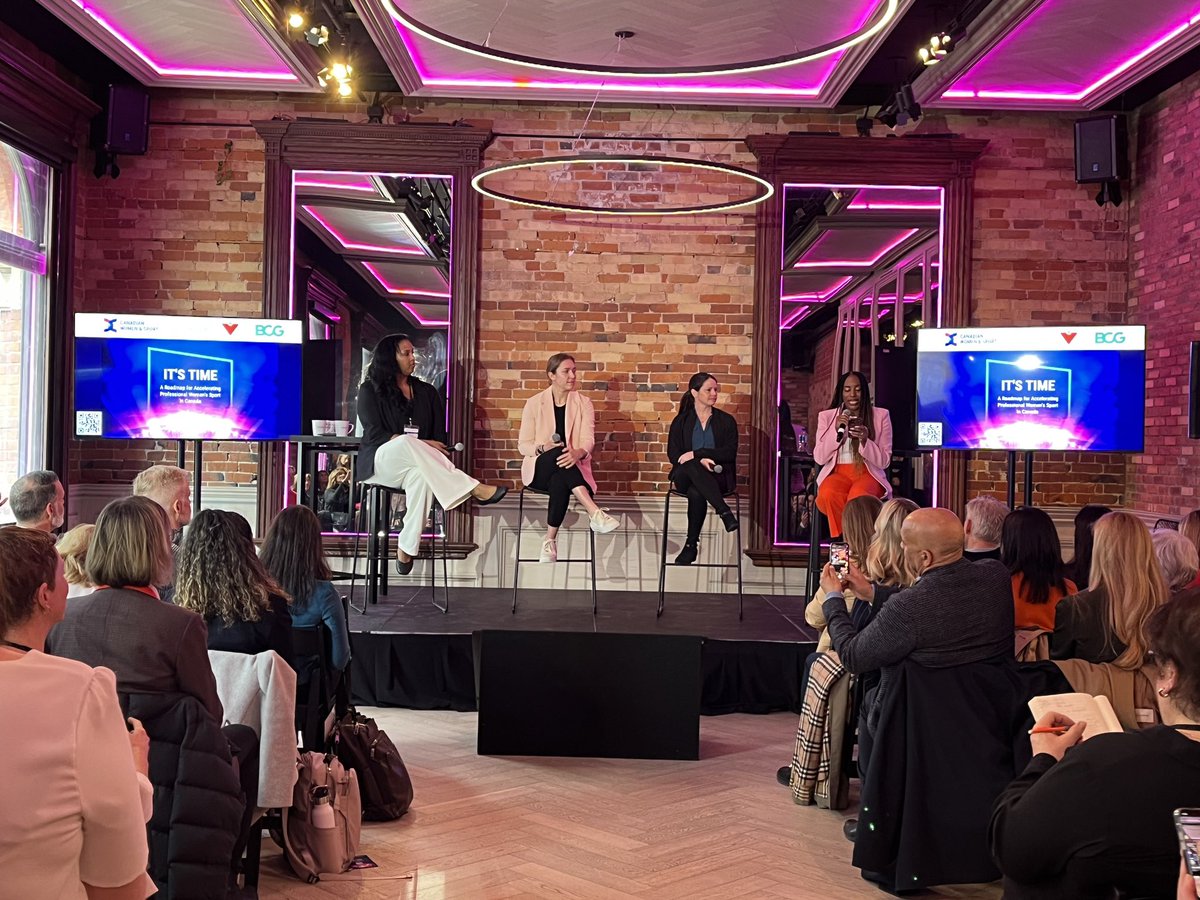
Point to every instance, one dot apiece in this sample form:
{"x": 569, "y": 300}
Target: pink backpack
{"x": 321, "y": 830}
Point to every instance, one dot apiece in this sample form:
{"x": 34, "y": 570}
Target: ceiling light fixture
{"x": 295, "y": 20}
{"x": 939, "y": 46}
{"x": 345, "y": 89}
{"x": 318, "y": 35}
{"x": 869, "y": 30}
{"x": 764, "y": 191}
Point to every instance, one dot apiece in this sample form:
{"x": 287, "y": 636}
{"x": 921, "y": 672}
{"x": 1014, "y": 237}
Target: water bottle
{"x": 322, "y": 810}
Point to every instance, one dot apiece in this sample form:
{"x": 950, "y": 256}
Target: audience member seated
{"x": 292, "y": 555}
{"x": 221, "y": 578}
{"x": 169, "y": 487}
{"x": 1178, "y": 558}
{"x": 1093, "y": 819}
{"x": 336, "y": 502}
{"x": 944, "y": 646}
{"x": 1030, "y": 549}
{"x": 858, "y": 529}
{"x": 956, "y": 612}
{"x": 38, "y": 501}
{"x": 853, "y": 449}
{"x": 1079, "y": 567}
{"x": 885, "y": 558}
{"x": 982, "y": 528}
{"x": 1105, "y": 623}
{"x": 73, "y": 548}
{"x": 156, "y": 650}
{"x": 74, "y": 815}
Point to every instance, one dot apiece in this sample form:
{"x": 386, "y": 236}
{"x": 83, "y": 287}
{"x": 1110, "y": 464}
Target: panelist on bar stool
{"x": 702, "y": 445}
{"x": 404, "y": 443}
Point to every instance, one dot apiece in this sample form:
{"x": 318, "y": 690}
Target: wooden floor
{"x": 484, "y": 828}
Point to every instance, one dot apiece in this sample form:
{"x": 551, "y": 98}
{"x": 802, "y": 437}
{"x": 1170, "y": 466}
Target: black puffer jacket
{"x": 197, "y": 797}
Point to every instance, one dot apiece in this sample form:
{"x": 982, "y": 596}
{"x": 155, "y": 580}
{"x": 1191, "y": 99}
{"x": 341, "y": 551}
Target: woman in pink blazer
{"x": 853, "y": 449}
{"x": 558, "y": 432}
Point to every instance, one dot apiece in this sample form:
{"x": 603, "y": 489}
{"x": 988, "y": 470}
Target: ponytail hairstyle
{"x": 687, "y": 403}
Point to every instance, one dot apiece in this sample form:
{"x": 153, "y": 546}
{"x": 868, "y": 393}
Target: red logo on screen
{"x": 1068, "y": 336}
{"x": 232, "y": 328}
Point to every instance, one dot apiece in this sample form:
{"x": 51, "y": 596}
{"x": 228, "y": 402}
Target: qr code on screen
{"x": 929, "y": 434}
{"x": 89, "y": 423}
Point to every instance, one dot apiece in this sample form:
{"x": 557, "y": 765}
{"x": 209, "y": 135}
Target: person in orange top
{"x": 1029, "y": 546}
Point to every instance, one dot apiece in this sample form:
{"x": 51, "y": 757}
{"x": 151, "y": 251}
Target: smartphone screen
{"x": 1187, "y": 825}
{"x": 839, "y": 556}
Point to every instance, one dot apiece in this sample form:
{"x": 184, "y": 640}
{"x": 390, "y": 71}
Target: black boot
{"x": 729, "y": 520}
{"x": 687, "y": 555}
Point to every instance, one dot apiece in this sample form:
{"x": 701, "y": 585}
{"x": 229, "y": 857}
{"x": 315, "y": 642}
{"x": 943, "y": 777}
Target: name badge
{"x": 412, "y": 429}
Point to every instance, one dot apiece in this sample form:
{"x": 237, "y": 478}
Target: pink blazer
{"x": 876, "y": 454}
{"x": 537, "y": 427}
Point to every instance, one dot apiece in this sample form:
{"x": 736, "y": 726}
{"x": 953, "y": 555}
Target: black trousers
{"x": 702, "y": 491}
{"x": 548, "y": 476}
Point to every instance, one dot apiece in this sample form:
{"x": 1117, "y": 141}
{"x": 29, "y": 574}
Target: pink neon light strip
{"x": 865, "y": 205}
{"x": 177, "y": 71}
{"x": 428, "y": 323}
{"x": 817, "y": 297}
{"x": 337, "y": 186}
{"x": 864, "y": 263}
{"x": 352, "y": 245}
{"x": 1091, "y": 88}
{"x": 392, "y": 289}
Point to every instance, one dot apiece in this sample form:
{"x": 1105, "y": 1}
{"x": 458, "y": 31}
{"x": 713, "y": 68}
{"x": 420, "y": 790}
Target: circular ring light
{"x": 765, "y": 188}
{"x": 759, "y": 65}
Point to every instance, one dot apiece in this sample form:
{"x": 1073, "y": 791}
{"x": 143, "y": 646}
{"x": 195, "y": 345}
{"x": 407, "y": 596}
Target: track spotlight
{"x": 345, "y": 89}
{"x": 886, "y": 119}
{"x": 939, "y": 46}
{"x": 318, "y": 35}
{"x": 863, "y": 125}
{"x": 295, "y": 20}
{"x": 907, "y": 108}
{"x": 341, "y": 71}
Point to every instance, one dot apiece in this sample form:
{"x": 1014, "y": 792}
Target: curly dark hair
{"x": 219, "y": 574}
{"x": 383, "y": 367}
{"x": 292, "y": 554}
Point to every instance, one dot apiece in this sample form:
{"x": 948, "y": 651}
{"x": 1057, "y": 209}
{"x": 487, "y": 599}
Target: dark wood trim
{"x": 420, "y": 149}
{"x": 946, "y": 162}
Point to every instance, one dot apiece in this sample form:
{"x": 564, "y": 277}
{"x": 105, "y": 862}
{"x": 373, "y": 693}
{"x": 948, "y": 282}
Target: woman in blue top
{"x": 701, "y": 438}
{"x": 292, "y": 553}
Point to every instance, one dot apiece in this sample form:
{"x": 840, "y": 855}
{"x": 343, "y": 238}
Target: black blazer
{"x": 151, "y": 646}
{"x": 381, "y": 419}
{"x": 725, "y": 437}
{"x": 1081, "y": 629}
{"x": 273, "y": 631}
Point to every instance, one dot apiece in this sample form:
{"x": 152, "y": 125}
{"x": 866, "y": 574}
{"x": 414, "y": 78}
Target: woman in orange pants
{"x": 853, "y": 449}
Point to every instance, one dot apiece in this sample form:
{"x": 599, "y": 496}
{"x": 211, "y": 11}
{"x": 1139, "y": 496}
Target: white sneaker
{"x": 603, "y": 523}
{"x": 549, "y": 551}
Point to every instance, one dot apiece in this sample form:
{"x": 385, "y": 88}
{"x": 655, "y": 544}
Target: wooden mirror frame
{"x": 419, "y": 149}
{"x": 943, "y": 161}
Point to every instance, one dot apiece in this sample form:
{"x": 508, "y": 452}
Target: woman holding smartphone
{"x": 853, "y": 449}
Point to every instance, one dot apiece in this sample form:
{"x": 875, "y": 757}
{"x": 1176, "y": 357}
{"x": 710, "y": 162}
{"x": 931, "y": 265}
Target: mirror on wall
{"x": 859, "y": 275}
{"x": 371, "y": 255}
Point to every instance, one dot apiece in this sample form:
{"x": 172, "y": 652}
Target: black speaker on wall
{"x": 1194, "y": 392}
{"x": 895, "y": 377}
{"x": 126, "y": 121}
{"x": 1101, "y": 149}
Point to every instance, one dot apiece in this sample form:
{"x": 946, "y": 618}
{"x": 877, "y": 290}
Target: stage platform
{"x": 409, "y": 654}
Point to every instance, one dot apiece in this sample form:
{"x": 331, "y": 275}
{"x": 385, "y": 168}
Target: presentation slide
{"x": 187, "y": 378}
{"x": 1062, "y": 388}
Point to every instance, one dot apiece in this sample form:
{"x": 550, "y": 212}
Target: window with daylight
{"x": 25, "y": 191}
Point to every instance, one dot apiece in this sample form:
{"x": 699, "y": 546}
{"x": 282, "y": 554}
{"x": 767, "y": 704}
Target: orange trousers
{"x": 842, "y": 485}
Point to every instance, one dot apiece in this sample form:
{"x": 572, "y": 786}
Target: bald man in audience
{"x": 38, "y": 501}
{"x": 170, "y": 488}
{"x": 956, "y": 612}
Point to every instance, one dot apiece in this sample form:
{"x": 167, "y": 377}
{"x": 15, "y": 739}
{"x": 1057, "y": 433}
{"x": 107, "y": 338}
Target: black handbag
{"x": 383, "y": 780}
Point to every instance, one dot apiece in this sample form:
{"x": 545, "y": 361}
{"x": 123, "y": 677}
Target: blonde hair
{"x": 1190, "y": 527}
{"x": 885, "y": 558}
{"x": 73, "y": 548}
{"x": 131, "y": 545}
{"x": 160, "y": 483}
{"x": 1125, "y": 568}
{"x": 858, "y": 525}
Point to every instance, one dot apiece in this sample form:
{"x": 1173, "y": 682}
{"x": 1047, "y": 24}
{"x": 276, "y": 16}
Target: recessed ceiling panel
{"x": 852, "y": 247}
{"x": 427, "y": 282}
{"x": 217, "y": 43}
{"x": 349, "y": 184}
{"x": 812, "y": 287}
{"x": 365, "y": 231}
{"x": 880, "y": 198}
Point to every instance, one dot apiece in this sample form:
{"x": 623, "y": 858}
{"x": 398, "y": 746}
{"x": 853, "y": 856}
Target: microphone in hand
{"x": 556, "y": 438}
{"x": 717, "y": 468}
{"x": 459, "y": 447}
{"x": 841, "y": 432}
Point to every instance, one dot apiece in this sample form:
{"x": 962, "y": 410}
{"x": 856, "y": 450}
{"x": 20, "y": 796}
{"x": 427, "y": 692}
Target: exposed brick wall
{"x": 1164, "y": 214}
{"x": 642, "y": 303}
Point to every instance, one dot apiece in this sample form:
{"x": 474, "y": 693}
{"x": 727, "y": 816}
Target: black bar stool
{"x": 376, "y": 509}
{"x": 662, "y": 567}
{"x": 590, "y": 558}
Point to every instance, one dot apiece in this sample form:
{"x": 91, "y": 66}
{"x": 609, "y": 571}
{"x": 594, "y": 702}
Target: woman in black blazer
{"x": 701, "y": 438}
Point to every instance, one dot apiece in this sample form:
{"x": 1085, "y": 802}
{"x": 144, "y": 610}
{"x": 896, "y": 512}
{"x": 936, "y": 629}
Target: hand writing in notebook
{"x": 1054, "y": 733}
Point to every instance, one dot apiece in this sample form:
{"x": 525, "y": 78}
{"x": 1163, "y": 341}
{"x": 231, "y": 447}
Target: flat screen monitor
{"x": 1056, "y": 388}
{"x": 187, "y": 377}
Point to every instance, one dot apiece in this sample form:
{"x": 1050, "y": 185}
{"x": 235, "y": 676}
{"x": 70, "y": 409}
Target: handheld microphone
{"x": 841, "y": 429}
{"x": 717, "y": 468}
{"x": 556, "y": 438}
{"x": 459, "y": 447}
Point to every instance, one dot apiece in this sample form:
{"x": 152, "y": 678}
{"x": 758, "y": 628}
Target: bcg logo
{"x": 268, "y": 331}
{"x": 1110, "y": 337}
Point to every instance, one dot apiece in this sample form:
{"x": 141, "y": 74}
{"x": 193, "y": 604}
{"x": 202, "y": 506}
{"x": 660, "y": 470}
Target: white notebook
{"x": 1097, "y": 711}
